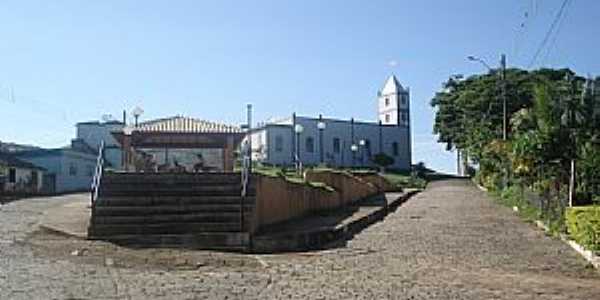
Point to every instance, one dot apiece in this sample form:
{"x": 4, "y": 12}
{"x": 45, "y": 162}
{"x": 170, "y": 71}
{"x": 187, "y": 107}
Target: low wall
{"x": 377, "y": 180}
{"x": 351, "y": 188}
{"x": 279, "y": 200}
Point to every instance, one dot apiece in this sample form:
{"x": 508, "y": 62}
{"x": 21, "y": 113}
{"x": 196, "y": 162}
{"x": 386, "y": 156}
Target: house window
{"x": 395, "y": 148}
{"x": 403, "y": 100}
{"x": 278, "y": 143}
{"x": 310, "y": 145}
{"x": 12, "y": 175}
{"x": 72, "y": 170}
{"x": 387, "y": 118}
{"x": 336, "y": 145}
{"x": 387, "y": 101}
{"x": 403, "y": 117}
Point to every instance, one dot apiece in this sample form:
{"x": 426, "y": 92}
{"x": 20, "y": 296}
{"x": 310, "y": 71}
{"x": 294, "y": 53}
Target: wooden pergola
{"x": 179, "y": 133}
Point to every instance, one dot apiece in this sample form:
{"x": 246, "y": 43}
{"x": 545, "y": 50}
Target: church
{"x": 340, "y": 142}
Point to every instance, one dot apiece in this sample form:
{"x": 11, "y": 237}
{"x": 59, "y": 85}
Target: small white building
{"x": 341, "y": 143}
{"x": 68, "y": 169}
{"x": 93, "y": 133}
{"x": 19, "y": 176}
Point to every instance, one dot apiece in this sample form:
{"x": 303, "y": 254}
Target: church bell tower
{"x": 393, "y": 104}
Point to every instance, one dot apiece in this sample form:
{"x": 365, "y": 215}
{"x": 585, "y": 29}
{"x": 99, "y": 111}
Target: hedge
{"x": 583, "y": 224}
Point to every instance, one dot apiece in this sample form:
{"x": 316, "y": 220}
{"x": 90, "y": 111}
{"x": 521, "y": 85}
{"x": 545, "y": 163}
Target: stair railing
{"x": 98, "y": 173}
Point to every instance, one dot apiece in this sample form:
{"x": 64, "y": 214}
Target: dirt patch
{"x": 50, "y": 245}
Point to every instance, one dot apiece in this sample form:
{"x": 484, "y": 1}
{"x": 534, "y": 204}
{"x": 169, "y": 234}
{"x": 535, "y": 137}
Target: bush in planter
{"x": 583, "y": 224}
{"x": 382, "y": 160}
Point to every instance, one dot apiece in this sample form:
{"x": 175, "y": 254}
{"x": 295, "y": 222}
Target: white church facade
{"x": 337, "y": 142}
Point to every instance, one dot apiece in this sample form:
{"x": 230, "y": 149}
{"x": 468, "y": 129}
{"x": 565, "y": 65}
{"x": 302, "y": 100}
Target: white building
{"x": 19, "y": 176}
{"x": 342, "y": 143}
{"x": 94, "y": 132}
{"x": 68, "y": 169}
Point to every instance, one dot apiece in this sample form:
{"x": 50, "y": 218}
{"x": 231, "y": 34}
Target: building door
{"x": 49, "y": 183}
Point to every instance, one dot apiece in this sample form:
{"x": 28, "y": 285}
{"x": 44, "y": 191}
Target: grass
{"x": 513, "y": 196}
{"x": 405, "y": 180}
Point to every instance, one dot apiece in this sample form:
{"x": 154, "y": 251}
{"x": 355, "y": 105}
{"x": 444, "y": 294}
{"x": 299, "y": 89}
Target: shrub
{"x": 583, "y": 224}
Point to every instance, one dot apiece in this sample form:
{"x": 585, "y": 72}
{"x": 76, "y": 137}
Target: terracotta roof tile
{"x": 186, "y": 125}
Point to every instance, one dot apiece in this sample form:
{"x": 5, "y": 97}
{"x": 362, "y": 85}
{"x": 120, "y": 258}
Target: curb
{"x": 320, "y": 238}
{"x": 588, "y": 255}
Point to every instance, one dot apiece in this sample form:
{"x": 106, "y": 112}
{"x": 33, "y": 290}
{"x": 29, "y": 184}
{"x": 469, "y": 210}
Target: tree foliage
{"x": 554, "y": 117}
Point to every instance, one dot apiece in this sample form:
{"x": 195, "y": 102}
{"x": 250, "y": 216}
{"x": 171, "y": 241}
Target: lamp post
{"x": 362, "y": 144}
{"x": 503, "y": 86}
{"x": 298, "y": 129}
{"x": 321, "y": 126}
{"x": 137, "y": 112}
{"x": 353, "y": 148}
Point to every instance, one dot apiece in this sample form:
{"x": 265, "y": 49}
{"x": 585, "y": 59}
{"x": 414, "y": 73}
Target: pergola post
{"x": 228, "y": 159}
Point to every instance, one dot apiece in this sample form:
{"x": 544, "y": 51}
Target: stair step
{"x": 162, "y": 228}
{"x": 166, "y": 209}
{"x": 231, "y": 241}
{"x": 195, "y": 178}
{"x": 147, "y": 200}
{"x": 176, "y": 190}
{"x": 219, "y": 217}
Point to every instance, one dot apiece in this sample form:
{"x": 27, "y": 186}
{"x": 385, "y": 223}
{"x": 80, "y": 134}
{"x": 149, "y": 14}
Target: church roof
{"x": 180, "y": 124}
{"x": 392, "y": 86}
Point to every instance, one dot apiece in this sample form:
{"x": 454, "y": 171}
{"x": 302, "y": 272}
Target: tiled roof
{"x": 10, "y": 160}
{"x": 180, "y": 124}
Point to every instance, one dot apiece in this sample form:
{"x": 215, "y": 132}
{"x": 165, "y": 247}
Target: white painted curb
{"x": 587, "y": 254}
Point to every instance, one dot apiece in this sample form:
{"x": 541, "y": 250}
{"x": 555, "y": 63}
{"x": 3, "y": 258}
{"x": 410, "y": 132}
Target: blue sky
{"x": 70, "y": 61}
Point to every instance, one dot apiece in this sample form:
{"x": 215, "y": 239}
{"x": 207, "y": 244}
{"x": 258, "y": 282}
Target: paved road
{"x": 449, "y": 242}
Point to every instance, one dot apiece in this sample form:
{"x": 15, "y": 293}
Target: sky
{"x": 62, "y": 62}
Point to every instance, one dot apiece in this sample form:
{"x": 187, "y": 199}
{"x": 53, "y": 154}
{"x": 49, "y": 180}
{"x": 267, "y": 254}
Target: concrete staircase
{"x": 192, "y": 210}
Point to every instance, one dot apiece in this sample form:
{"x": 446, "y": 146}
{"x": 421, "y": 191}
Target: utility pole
{"x": 504, "y": 121}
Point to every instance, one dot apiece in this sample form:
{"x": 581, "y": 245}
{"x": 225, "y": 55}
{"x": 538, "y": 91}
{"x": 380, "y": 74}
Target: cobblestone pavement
{"x": 449, "y": 242}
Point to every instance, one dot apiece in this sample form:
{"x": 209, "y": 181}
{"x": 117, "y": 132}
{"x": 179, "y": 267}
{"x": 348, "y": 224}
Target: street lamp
{"x": 362, "y": 144}
{"x": 321, "y": 125}
{"x": 353, "y": 148}
{"x": 503, "y": 82}
{"x": 137, "y": 112}
{"x": 298, "y": 129}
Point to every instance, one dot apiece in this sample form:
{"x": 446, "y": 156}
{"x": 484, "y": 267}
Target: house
{"x": 19, "y": 176}
{"x": 68, "y": 169}
{"x": 337, "y": 142}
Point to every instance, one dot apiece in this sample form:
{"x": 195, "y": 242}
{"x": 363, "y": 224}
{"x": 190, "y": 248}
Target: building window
{"x": 12, "y": 175}
{"x": 387, "y": 101}
{"x": 403, "y": 100}
{"x": 278, "y": 143}
{"x": 403, "y": 117}
{"x": 395, "y": 148}
{"x": 336, "y": 145}
{"x": 310, "y": 145}
{"x": 387, "y": 118}
{"x": 72, "y": 170}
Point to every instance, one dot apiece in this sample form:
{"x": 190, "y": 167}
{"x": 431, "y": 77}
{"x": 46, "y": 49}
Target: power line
{"x": 550, "y": 31}
{"x": 558, "y": 28}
